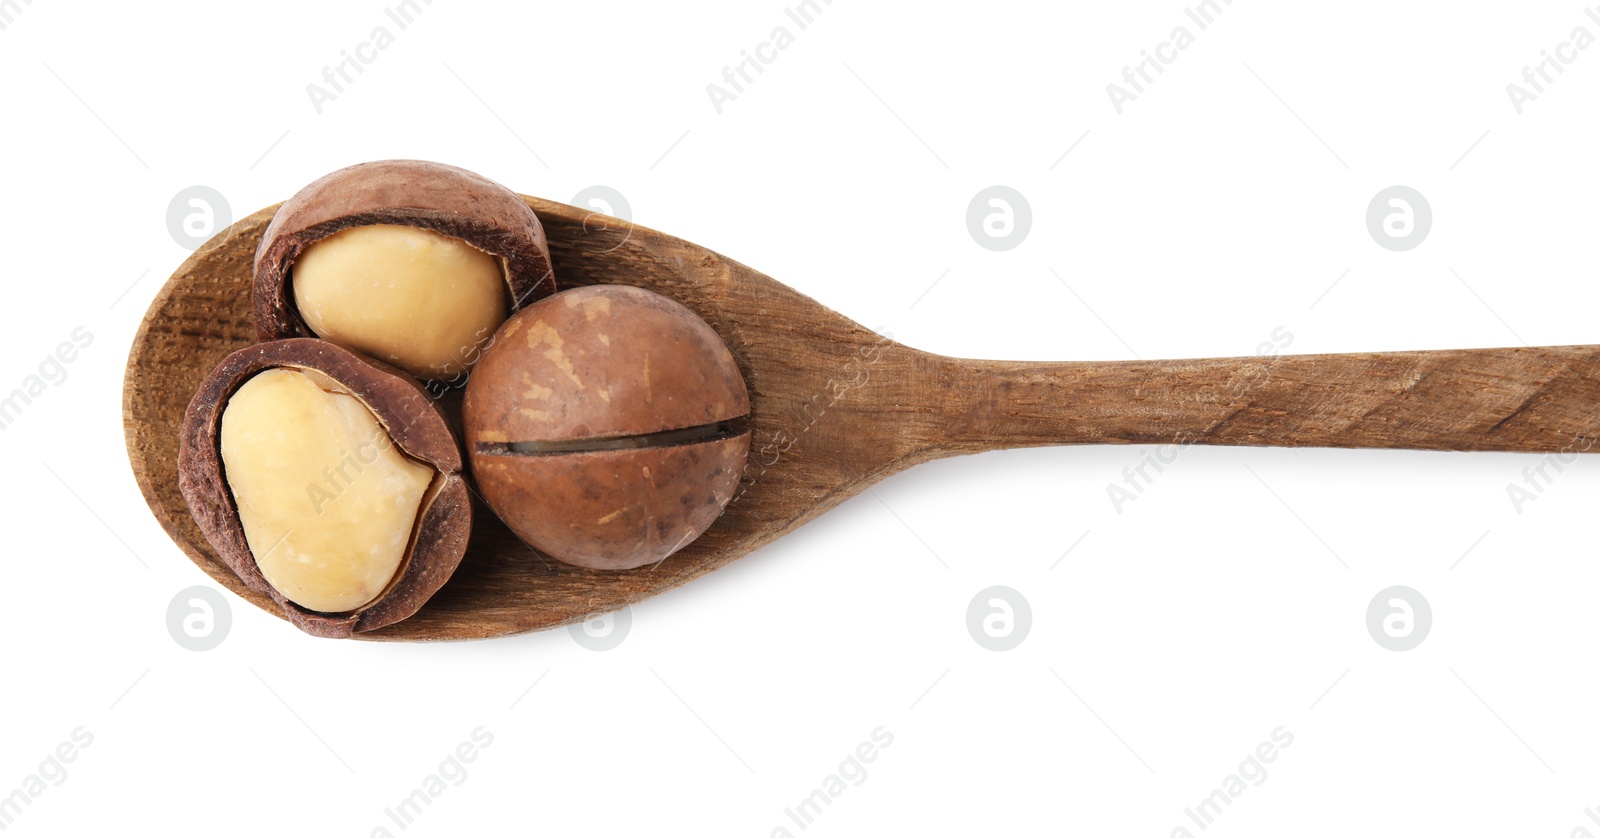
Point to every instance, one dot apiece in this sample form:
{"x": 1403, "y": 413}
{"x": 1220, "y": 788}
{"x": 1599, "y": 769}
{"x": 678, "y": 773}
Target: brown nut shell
{"x": 601, "y": 426}
{"x": 602, "y": 361}
{"x": 415, "y": 193}
{"x": 412, "y": 420}
{"x": 614, "y": 510}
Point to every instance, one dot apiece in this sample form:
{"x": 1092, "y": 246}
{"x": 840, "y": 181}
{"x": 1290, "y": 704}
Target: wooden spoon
{"x": 836, "y": 407}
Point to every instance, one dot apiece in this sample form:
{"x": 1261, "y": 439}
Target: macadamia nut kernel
{"x": 422, "y": 301}
{"x": 327, "y": 502}
{"x": 407, "y": 262}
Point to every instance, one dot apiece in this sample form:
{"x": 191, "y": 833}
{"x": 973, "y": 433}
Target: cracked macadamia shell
{"x": 452, "y": 202}
{"x": 413, "y": 422}
{"x": 602, "y": 372}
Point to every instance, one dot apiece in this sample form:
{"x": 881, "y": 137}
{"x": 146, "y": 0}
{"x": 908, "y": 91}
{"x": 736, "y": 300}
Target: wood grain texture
{"x": 835, "y": 407}
{"x": 1520, "y": 399}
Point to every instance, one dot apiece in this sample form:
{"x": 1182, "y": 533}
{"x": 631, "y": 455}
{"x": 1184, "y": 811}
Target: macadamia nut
{"x": 605, "y": 426}
{"x": 327, "y": 502}
{"x": 419, "y": 300}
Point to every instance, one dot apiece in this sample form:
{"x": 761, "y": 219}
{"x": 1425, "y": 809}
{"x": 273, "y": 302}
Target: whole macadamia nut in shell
{"x": 602, "y": 426}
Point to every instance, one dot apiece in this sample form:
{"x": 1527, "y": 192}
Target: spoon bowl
{"x": 835, "y": 407}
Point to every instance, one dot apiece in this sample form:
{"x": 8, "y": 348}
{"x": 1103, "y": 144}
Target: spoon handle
{"x": 1517, "y": 399}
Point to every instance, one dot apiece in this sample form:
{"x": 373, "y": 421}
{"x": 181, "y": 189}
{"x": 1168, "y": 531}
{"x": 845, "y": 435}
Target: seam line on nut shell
{"x": 660, "y": 439}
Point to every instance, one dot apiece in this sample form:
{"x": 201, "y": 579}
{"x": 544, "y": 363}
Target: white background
{"x": 1165, "y": 645}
